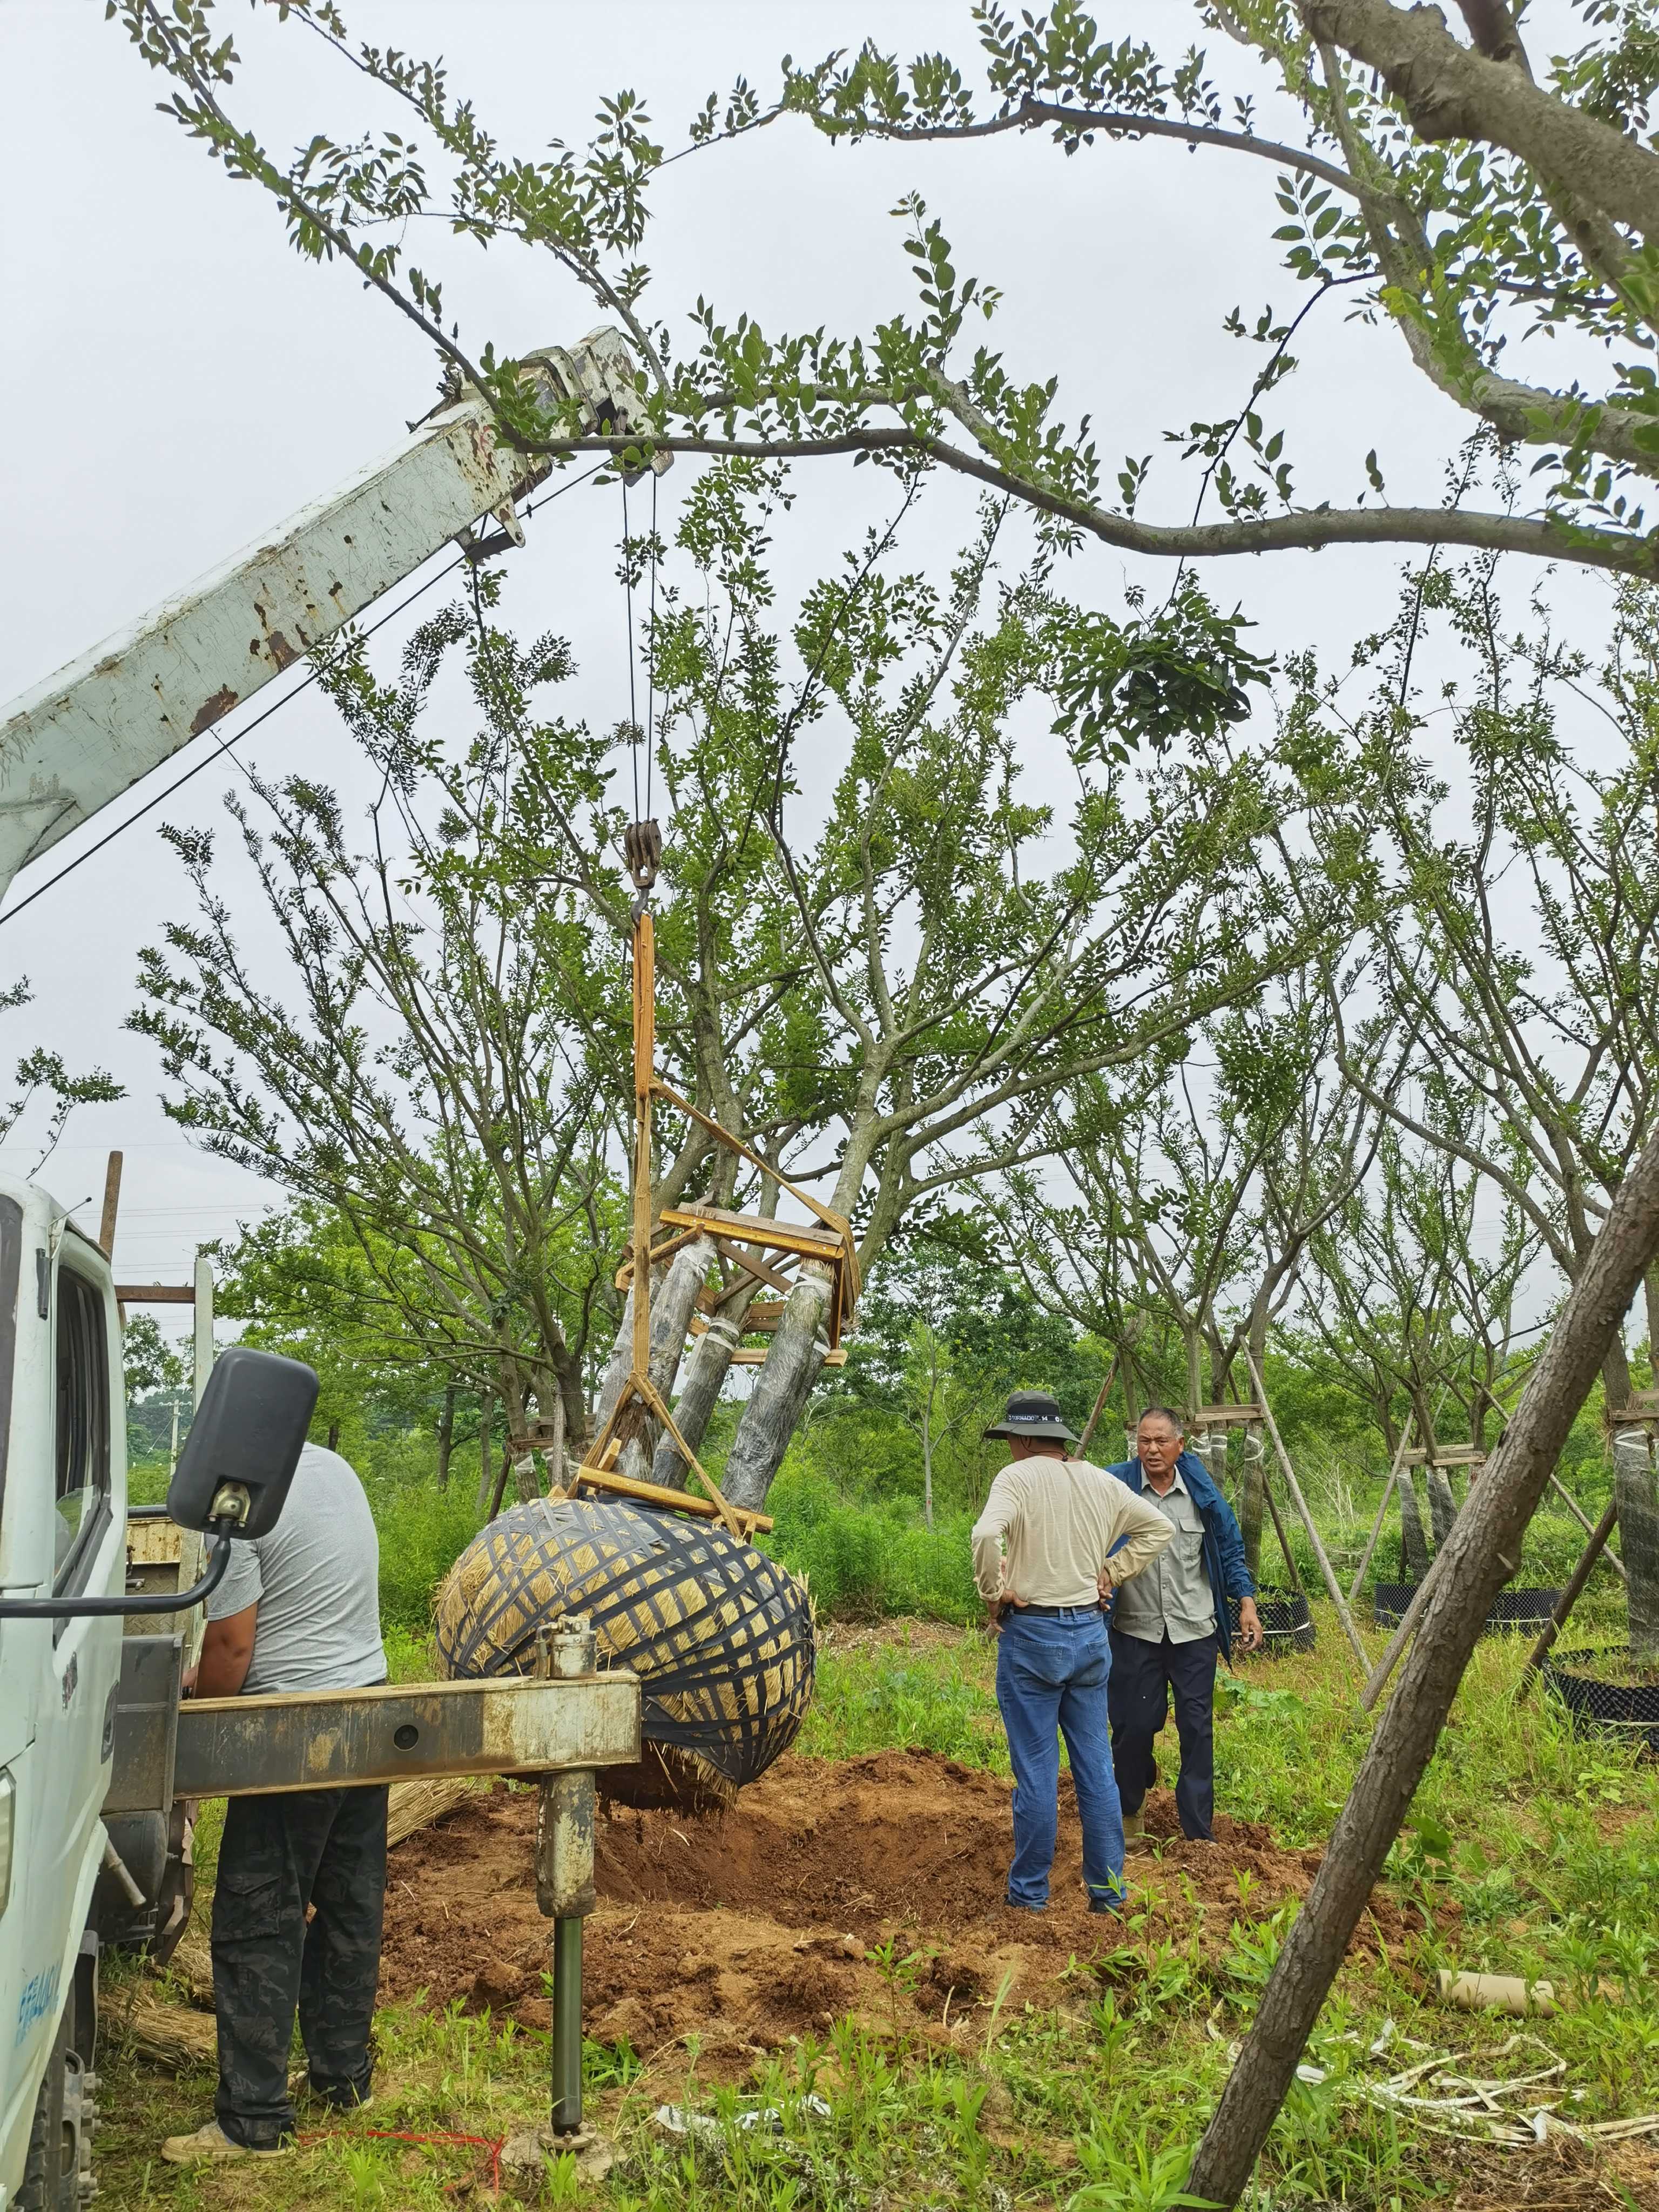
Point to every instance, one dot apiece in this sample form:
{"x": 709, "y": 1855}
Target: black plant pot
{"x": 1286, "y": 1624}
{"x": 1522, "y": 1609}
{"x": 1623, "y": 1708}
{"x": 1511, "y": 1609}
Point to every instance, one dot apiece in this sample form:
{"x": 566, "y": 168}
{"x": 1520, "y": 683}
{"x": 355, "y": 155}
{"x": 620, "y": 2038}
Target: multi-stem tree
{"x": 1537, "y": 1007}
{"x": 1193, "y": 1204}
{"x": 967, "y": 973}
{"x": 424, "y": 1082}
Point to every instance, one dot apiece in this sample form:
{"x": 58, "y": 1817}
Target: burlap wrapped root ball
{"x": 720, "y": 1634}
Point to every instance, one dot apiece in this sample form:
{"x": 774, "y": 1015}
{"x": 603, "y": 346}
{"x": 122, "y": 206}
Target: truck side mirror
{"x": 244, "y": 1443}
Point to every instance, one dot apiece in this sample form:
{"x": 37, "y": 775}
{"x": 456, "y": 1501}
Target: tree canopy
{"x": 1459, "y": 196}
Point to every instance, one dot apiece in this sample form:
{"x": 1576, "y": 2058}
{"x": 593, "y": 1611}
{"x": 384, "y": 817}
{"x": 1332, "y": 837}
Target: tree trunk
{"x": 927, "y": 1470}
{"x": 1443, "y": 1506}
{"x": 1483, "y": 1550}
{"x": 1252, "y": 1498}
{"x": 1194, "y": 1347}
{"x": 1615, "y": 1375}
{"x": 1214, "y": 1455}
{"x": 671, "y": 1307}
{"x": 1633, "y": 1485}
{"x": 446, "y": 1437}
{"x": 526, "y": 1475}
{"x": 707, "y": 1368}
{"x": 674, "y": 1297}
{"x": 1638, "y": 1496}
{"x": 1413, "y": 1545}
{"x": 486, "y": 1451}
{"x": 793, "y": 1365}
{"x": 621, "y": 1362}
{"x": 1131, "y": 1401}
{"x": 554, "y": 1452}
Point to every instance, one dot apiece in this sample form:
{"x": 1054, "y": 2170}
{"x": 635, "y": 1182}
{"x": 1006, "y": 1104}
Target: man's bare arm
{"x": 227, "y": 1653}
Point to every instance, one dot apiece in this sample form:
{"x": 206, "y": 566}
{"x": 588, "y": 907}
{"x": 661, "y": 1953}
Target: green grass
{"x": 872, "y": 1562}
{"x": 1537, "y": 1849}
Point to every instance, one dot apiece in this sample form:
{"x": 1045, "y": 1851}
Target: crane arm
{"x": 86, "y": 735}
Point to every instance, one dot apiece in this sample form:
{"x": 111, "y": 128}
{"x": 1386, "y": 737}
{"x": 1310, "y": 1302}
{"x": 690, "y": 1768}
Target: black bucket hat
{"x": 1032, "y": 1414}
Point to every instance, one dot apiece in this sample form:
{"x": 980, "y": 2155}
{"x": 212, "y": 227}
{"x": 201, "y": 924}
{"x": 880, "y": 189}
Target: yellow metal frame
{"x": 830, "y": 1243}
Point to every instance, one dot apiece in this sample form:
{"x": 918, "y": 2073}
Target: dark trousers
{"x": 1144, "y": 1678}
{"x": 325, "y": 1849}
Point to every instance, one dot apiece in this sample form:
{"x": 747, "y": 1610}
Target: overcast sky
{"x": 177, "y": 382}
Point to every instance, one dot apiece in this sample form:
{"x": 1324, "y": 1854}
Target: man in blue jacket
{"x": 1169, "y": 1623}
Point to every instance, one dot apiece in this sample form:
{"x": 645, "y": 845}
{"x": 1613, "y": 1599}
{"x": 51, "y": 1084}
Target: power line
{"x": 224, "y": 744}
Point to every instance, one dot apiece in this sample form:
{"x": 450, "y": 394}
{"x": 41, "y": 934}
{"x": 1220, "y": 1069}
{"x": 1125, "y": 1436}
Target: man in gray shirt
{"x": 1171, "y": 1623}
{"x": 298, "y": 1609}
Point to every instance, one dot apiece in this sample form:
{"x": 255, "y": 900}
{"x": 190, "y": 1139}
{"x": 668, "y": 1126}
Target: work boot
{"x": 211, "y": 2146}
{"x": 1134, "y": 1831}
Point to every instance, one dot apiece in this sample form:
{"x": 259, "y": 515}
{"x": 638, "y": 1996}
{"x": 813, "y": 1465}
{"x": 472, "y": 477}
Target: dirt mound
{"x": 751, "y": 1926}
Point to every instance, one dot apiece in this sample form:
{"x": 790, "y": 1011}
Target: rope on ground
{"x": 493, "y": 2144}
{"x": 1433, "y": 2094}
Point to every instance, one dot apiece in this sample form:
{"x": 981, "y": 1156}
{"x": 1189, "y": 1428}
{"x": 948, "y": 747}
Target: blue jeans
{"x": 1051, "y": 1680}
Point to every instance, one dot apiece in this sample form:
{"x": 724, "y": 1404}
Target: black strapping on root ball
{"x": 720, "y": 1634}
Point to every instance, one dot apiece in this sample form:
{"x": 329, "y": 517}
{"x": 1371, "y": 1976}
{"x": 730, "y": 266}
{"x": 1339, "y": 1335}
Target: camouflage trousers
{"x": 321, "y": 1849}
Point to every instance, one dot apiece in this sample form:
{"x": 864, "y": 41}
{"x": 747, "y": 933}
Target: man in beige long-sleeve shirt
{"x": 1055, "y": 1531}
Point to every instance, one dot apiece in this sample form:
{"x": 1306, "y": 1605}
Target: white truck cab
{"x": 62, "y": 1533}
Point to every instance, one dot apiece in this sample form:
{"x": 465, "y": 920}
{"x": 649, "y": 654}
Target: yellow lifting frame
{"x": 643, "y": 844}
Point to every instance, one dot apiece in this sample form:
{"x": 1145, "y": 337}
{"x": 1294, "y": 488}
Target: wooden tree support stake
{"x": 1589, "y": 1526}
{"x": 1278, "y": 1531}
{"x": 1371, "y": 1541}
{"x": 1569, "y": 1598}
{"x": 1488, "y": 1531}
{"x": 1307, "y": 1519}
{"x": 111, "y": 1206}
{"x": 1098, "y": 1408}
{"x": 1402, "y": 1635}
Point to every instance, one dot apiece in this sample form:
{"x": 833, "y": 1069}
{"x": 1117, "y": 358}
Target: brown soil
{"x": 749, "y": 1927}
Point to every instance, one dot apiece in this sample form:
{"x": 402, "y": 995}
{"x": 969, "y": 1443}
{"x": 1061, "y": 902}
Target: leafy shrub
{"x": 423, "y": 1531}
{"x": 866, "y": 1562}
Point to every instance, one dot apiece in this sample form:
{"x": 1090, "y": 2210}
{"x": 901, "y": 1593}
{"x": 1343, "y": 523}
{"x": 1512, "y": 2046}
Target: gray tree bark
{"x": 1413, "y": 1544}
{"x": 705, "y": 1371}
{"x": 792, "y": 1364}
{"x": 1443, "y": 1506}
{"x": 1636, "y": 1491}
{"x": 673, "y": 1296}
{"x": 1483, "y": 1549}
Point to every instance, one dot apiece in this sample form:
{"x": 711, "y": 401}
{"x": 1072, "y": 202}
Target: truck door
{"x": 89, "y": 1541}
{"x": 67, "y": 1496}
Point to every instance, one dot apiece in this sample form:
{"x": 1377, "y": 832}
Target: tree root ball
{"x": 720, "y": 1634}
